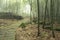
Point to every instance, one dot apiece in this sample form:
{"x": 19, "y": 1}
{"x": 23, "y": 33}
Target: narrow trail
{"x": 8, "y": 32}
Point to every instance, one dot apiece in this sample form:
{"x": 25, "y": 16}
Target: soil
{"x": 30, "y": 32}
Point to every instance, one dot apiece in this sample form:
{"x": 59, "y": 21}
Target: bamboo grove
{"x": 41, "y": 12}
{"x": 49, "y": 13}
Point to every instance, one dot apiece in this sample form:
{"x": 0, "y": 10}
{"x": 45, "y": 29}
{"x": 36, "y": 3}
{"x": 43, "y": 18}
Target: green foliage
{"x": 23, "y": 25}
{"x": 57, "y": 29}
{"x": 50, "y": 28}
{"x": 35, "y": 20}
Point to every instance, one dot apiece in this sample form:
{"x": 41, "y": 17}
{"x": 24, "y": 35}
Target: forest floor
{"x": 30, "y": 33}
{"x": 8, "y": 28}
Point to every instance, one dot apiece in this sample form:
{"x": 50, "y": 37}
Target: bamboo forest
{"x": 29, "y": 19}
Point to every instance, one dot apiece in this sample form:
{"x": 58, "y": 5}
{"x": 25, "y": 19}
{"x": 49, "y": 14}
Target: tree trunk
{"x": 45, "y": 14}
{"x": 52, "y": 16}
{"x": 38, "y": 16}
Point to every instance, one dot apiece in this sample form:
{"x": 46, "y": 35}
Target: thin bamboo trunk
{"x": 52, "y": 17}
{"x": 45, "y": 14}
{"x": 38, "y": 17}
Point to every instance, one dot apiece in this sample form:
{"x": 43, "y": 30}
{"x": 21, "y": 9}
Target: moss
{"x": 23, "y": 25}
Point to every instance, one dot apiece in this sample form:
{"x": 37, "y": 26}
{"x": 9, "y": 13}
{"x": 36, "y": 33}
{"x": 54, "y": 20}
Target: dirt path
{"x": 8, "y": 32}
